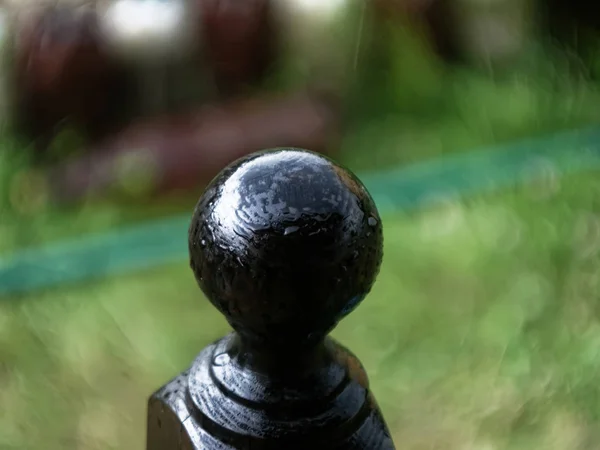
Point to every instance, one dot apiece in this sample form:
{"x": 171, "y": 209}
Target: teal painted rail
{"x": 164, "y": 241}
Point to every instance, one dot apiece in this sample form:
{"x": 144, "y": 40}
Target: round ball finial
{"x": 285, "y": 243}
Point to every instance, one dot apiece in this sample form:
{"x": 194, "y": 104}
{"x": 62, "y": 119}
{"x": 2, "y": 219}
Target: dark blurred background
{"x": 482, "y": 331}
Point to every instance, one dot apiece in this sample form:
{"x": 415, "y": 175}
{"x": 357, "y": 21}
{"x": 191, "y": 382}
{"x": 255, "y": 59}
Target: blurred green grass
{"x": 481, "y": 333}
{"x": 482, "y": 330}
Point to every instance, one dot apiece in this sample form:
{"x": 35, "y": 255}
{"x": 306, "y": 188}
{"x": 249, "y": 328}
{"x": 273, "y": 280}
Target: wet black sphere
{"x": 285, "y": 243}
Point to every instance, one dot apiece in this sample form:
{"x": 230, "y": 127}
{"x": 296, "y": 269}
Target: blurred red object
{"x": 184, "y": 152}
{"x": 65, "y": 72}
{"x": 239, "y": 40}
{"x": 62, "y": 74}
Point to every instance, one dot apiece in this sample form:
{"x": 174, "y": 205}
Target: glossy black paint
{"x": 284, "y": 243}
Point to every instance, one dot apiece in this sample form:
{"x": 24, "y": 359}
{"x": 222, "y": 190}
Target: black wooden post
{"x": 285, "y": 243}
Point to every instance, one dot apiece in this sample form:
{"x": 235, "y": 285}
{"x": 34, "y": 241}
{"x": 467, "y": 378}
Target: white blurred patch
{"x": 149, "y": 30}
{"x": 319, "y": 8}
{"x": 137, "y": 171}
{"x": 445, "y": 217}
